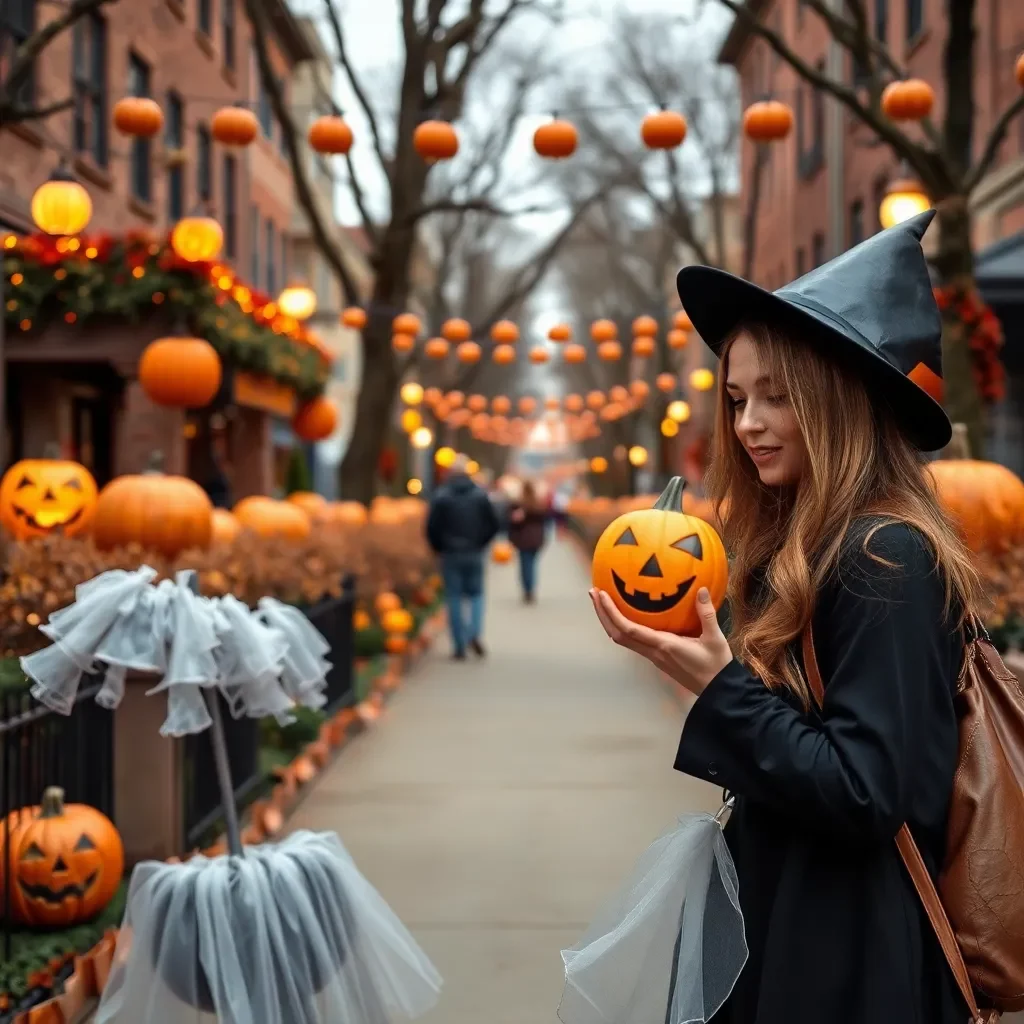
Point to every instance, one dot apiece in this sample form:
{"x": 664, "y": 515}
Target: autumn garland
{"x": 964, "y": 308}
{"x": 88, "y": 278}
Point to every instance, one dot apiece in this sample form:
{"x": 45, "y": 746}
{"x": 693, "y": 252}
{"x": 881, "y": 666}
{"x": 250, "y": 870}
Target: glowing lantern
{"x": 663, "y": 130}
{"x": 665, "y": 382}
{"x": 354, "y": 317}
{"x": 643, "y": 347}
{"x": 903, "y": 199}
{"x": 234, "y": 126}
{"x": 560, "y": 332}
{"x": 598, "y": 464}
{"x": 403, "y": 342}
{"x": 555, "y": 140}
{"x": 574, "y": 353}
{"x": 330, "y": 134}
{"x": 180, "y": 372}
{"x": 637, "y": 455}
{"x": 197, "y": 239}
{"x": 538, "y": 354}
{"x": 139, "y": 116}
{"x": 504, "y": 332}
{"x": 456, "y": 330}
{"x": 445, "y": 457}
{"x": 702, "y": 380}
{"x": 609, "y": 351}
{"x": 504, "y": 354}
{"x": 411, "y": 393}
{"x": 669, "y": 427}
{"x": 767, "y": 121}
{"x": 406, "y": 323}
{"x": 639, "y": 389}
{"x": 677, "y": 338}
{"x": 411, "y": 420}
{"x": 316, "y": 420}
{"x": 436, "y": 348}
{"x": 61, "y": 206}
{"x": 435, "y": 140}
{"x": 468, "y": 352}
{"x": 414, "y": 486}
{"x": 603, "y": 330}
{"x": 421, "y": 438}
{"x": 678, "y": 411}
{"x": 298, "y": 301}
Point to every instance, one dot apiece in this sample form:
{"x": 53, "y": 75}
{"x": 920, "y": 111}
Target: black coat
{"x": 836, "y": 931}
{"x": 461, "y": 518}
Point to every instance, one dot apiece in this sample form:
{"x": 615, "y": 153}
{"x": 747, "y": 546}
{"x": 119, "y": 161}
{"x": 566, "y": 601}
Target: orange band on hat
{"x": 928, "y": 381}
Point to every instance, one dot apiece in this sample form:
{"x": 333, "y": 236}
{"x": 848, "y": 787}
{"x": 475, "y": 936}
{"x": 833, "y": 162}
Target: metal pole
{"x": 4, "y": 454}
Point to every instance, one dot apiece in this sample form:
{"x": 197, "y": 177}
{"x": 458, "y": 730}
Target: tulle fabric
{"x": 668, "y": 948}
{"x": 291, "y": 933}
{"x": 264, "y": 662}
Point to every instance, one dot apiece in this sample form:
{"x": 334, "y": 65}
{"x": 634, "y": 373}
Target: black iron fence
{"x": 333, "y": 618}
{"x": 39, "y": 748}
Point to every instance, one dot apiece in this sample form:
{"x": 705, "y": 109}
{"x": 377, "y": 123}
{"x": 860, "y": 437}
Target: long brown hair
{"x": 858, "y": 464}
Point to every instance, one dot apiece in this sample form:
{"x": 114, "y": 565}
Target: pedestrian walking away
{"x": 460, "y": 524}
{"x": 527, "y": 523}
{"x": 833, "y": 529}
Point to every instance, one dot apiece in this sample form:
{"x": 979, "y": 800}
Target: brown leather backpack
{"x": 977, "y": 910}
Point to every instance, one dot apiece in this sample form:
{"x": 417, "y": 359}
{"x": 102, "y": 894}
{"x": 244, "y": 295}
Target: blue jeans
{"x": 463, "y": 573}
{"x": 528, "y": 571}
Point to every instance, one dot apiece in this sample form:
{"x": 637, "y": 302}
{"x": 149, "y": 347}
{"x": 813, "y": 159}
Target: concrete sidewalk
{"x": 498, "y": 803}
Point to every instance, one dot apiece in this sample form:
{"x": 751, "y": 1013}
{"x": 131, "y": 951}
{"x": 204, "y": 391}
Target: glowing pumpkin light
{"x": 702, "y": 379}
{"x": 603, "y": 330}
{"x": 61, "y": 205}
{"x": 652, "y": 563}
{"x": 677, "y": 339}
{"x": 665, "y": 382}
{"x": 682, "y": 322}
{"x": 197, "y": 239}
{"x": 609, "y": 351}
{"x": 403, "y": 343}
{"x": 539, "y": 354}
{"x": 42, "y": 496}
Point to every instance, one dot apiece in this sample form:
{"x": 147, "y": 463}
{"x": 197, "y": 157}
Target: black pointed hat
{"x": 872, "y": 307}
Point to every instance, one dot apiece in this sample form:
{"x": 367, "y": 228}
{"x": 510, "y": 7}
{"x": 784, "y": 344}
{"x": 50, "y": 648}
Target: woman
{"x": 527, "y": 521}
{"x": 829, "y": 522}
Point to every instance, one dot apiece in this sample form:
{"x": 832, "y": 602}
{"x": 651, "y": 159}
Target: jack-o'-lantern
{"x": 65, "y": 862}
{"x": 41, "y": 496}
{"x": 652, "y": 563}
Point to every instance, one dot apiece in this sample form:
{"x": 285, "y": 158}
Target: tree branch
{"x": 991, "y": 148}
{"x": 478, "y": 204}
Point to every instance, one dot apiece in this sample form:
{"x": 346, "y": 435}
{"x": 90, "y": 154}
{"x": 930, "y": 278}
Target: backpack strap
{"x": 912, "y": 860}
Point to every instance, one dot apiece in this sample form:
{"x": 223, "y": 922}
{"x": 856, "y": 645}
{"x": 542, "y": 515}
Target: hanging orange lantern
{"x": 468, "y": 352}
{"x": 552, "y": 404}
{"x": 639, "y": 389}
{"x": 61, "y": 205}
{"x": 527, "y": 405}
{"x": 603, "y": 330}
{"x": 595, "y": 399}
{"x": 910, "y": 100}
{"x": 458, "y": 418}
{"x": 681, "y": 322}
{"x": 702, "y": 380}
{"x": 574, "y": 353}
{"x": 598, "y": 464}
{"x": 455, "y": 399}
{"x": 316, "y": 420}
{"x": 476, "y": 403}
{"x": 560, "y": 332}
{"x": 330, "y": 134}
{"x": 234, "y": 126}
{"x": 441, "y": 410}
{"x": 618, "y": 394}
{"x": 431, "y": 396}
{"x": 677, "y": 339}
{"x": 645, "y": 327}
{"x": 501, "y": 405}
{"x": 354, "y": 317}
{"x": 503, "y": 355}
{"x": 573, "y": 403}
{"x": 403, "y": 342}
{"x": 555, "y": 140}
{"x": 767, "y": 121}
{"x": 456, "y": 329}
{"x": 435, "y": 140}
{"x": 609, "y": 351}
{"x": 504, "y": 332}
{"x": 663, "y": 130}
{"x": 406, "y": 323}
{"x": 436, "y": 348}
{"x": 139, "y": 116}
{"x": 180, "y": 372}
{"x": 665, "y": 382}
{"x": 643, "y": 347}
{"x": 197, "y": 239}
{"x": 539, "y": 354}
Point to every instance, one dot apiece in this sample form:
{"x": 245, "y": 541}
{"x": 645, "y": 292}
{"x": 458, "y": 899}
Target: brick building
{"x": 193, "y": 57}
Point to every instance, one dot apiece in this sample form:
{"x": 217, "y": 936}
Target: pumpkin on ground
{"x": 501, "y": 552}
{"x": 398, "y": 620}
{"x": 65, "y": 862}
{"x": 225, "y": 527}
{"x": 652, "y": 562}
{"x": 361, "y": 620}
{"x": 313, "y": 504}
{"x": 270, "y": 518}
{"x": 396, "y": 644}
{"x": 387, "y": 602}
{"x": 161, "y": 513}
{"x": 41, "y": 496}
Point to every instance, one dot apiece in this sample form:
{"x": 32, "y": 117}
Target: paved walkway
{"x": 496, "y": 805}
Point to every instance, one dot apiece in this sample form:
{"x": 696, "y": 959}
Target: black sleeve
{"x": 849, "y": 772}
{"x": 490, "y": 522}
{"x": 435, "y": 524}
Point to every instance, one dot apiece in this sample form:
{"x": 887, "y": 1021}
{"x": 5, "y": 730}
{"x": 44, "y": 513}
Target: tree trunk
{"x": 955, "y": 265}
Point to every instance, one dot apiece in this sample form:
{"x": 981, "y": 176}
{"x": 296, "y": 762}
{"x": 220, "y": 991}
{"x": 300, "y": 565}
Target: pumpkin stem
{"x": 155, "y": 463}
{"x": 53, "y": 802}
{"x": 671, "y": 499}
{"x": 960, "y": 446}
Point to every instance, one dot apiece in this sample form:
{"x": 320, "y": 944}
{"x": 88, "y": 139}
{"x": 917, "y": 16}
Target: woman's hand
{"x": 518, "y": 515}
{"x": 692, "y": 662}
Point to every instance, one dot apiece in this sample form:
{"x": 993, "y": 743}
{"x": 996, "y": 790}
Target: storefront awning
{"x": 999, "y": 271}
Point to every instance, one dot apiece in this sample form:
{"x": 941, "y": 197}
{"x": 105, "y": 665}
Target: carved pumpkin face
{"x": 65, "y": 862}
{"x": 652, "y": 562}
{"x": 41, "y": 496}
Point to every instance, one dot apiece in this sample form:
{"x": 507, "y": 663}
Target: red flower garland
{"x": 984, "y": 333}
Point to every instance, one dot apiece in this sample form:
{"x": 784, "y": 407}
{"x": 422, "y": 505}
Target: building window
{"x": 264, "y": 113}
{"x": 204, "y": 16}
{"x": 141, "y": 152}
{"x": 89, "y": 78}
{"x": 801, "y": 262}
{"x": 818, "y": 249}
{"x": 175, "y": 140}
{"x": 204, "y": 163}
{"x": 915, "y": 19}
{"x": 285, "y": 262}
{"x": 227, "y": 25}
{"x": 877, "y": 195}
{"x": 856, "y": 222}
{"x": 882, "y": 20}
{"x": 230, "y": 206}
{"x": 17, "y": 23}
{"x": 254, "y": 253}
{"x": 270, "y": 255}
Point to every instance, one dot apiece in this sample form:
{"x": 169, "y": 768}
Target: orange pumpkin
{"x": 682, "y": 322}
{"x": 225, "y": 527}
{"x": 539, "y": 355}
{"x": 595, "y": 399}
{"x": 435, "y": 140}
{"x": 456, "y": 330}
{"x": 349, "y": 513}
{"x": 560, "y": 332}
{"x": 354, "y": 317}
{"x": 397, "y": 620}
{"x": 330, "y": 134}
{"x": 361, "y": 620}
{"x": 396, "y": 644}
{"x": 652, "y": 562}
{"x": 180, "y": 372}
{"x": 984, "y": 499}
{"x": 645, "y": 327}
{"x": 501, "y": 404}
{"x": 555, "y": 140}
{"x": 677, "y": 339}
{"x": 138, "y": 115}
{"x": 504, "y": 332}
{"x": 574, "y": 353}
{"x": 609, "y": 351}
{"x": 169, "y": 514}
{"x": 313, "y": 504}
{"x": 639, "y": 389}
{"x": 316, "y": 420}
{"x": 387, "y": 601}
{"x": 665, "y": 382}
{"x": 504, "y": 355}
{"x": 65, "y": 862}
{"x": 910, "y": 100}
{"x": 406, "y": 323}
{"x": 403, "y": 342}
{"x": 436, "y": 348}
{"x": 501, "y": 552}
{"x": 767, "y": 121}
{"x": 476, "y": 403}
{"x": 643, "y": 347}
{"x": 527, "y": 405}
{"x": 663, "y": 130}
{"x": 269, "y": 518}
{"x": 573, "y": 403}
{"x": 41, "y": 496}
{"x": 603, "y": 330}
{"x": 234, "y": 126}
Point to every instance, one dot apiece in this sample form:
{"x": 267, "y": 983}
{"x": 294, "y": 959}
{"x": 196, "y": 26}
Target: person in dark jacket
{"x": 828, "y": 520}
{"x": 460, "y": 524}
{"x": 527, "y": 524}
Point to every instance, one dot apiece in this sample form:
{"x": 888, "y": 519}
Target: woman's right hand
{"x": 518, "y": 515}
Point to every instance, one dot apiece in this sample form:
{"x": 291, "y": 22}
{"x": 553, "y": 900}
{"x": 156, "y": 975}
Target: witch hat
{"x": 872, "y": 307}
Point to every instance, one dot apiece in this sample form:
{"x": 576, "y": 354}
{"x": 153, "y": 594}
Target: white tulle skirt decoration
{"x": 669, "y": 947}
{"x": 291, "y": 933}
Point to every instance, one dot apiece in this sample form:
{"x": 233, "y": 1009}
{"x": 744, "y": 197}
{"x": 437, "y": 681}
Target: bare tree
{"x": 944, "y": 157}
{"x": 17, "y": 105}
{"x": 444, "y": 44}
